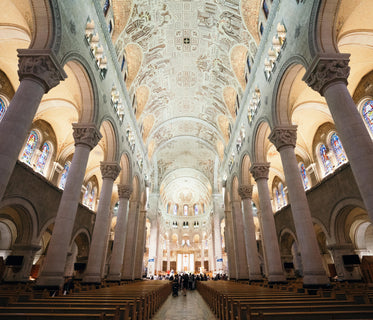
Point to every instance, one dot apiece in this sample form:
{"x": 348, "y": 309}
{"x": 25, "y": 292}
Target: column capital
{"x": 260, "y": 170}
{"x": 245, "y": 191}
{"x": 283, "y": 136}
{"x": 124, "y": 191}
{"x": 109, "y": 170}
{"x": 40, "y": 65}
{"x": 327, "y": 68}
{"x": 86, "y": 133}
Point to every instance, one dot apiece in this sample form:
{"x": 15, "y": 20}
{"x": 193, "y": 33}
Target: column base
{"x": 255, "y": 277}
{"x": 276, "y": 278}
{"x": 315, "y": 280}
{"x": 113, "y": 277}
{"x": 92, "y": 278}
{"x": 47, "y": 281}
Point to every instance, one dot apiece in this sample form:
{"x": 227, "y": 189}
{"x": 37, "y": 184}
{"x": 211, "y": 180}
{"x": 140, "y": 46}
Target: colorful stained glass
{"x": 325, "y": 159}
{"x": 91, "y": 198}
{"x": 367, "y": 112}
{"x": 283, "y": 196}
{"x": 278, "y": 201}
{"x": 303, "y": 173}
{"x": 64, "y": 174}
{"x": 338, "y": 149}
{"x": 2, "y": 109}
{"x": 195, "y": 210}
{"x": 42, "y": 160}
{"x": 87, "y": 194}
{"x": 29, "y": 149}
{"x": 185, "y": 210}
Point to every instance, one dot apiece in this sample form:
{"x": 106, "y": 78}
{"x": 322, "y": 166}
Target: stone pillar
{"x": 203, "y": 254}
{"x": 284, "y": 138}
{"x": 274, "y": 267}
{"x": 130, "y": 245}
{"x": 217, "y": 243}
{"x": 116, "y": 263}
{"x": 168, "y": 254}
{"x": 239, "y": 241}
{"x": 210, "y": 255}
{"x": 328, "y": 75}
{"x": 346, "y": 273}
{"x": 153, "y": 241}
{"x": 140, "y": 247}
{"x": 86, "y": 138}
{"x": 22, "y": 273}
{"x": 245, "y": 192}
{"x": 38, "y": 71}
{"x": 229, "y": 245}
{"x": 96, "y": 257}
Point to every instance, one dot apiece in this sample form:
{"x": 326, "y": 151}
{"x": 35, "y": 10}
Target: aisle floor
{"x": 189, "y": 307}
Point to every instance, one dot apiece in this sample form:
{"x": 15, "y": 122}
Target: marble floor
{"x": 189, "y": 307}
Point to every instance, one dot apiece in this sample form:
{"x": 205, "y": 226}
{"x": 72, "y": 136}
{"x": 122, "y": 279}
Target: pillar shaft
{"x": 249, "y": 232}
{"x": 229, "y": 244}
{"x": 140, "y": 247}
{"x": 86, "y": 137}
{"x": 38, "y": 73}
{"x": 328, "y": 75}
{"x": 274, "y": 266}
{"x": 153, "y": 242}
{"x": 96, "y": 257}
{"x": 116, "y": 262}
{"x": 217, "y": 243}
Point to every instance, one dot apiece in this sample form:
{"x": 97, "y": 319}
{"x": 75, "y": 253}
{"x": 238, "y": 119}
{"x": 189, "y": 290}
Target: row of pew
{"x": 135, "y": 301}
{"x": 230, "y": 300}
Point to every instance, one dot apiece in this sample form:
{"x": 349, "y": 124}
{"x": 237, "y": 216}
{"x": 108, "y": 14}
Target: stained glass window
{"x": 367, "y": 112}
{"x": 87, "y": 194}
{"x": 175, "y": 209}
{"x": 92, "y": 198}
{"x": 265, "y": 9}
{"x": 106, "y": 7}
{"x": 2, "y": 109}
{"x": 278, "y": 201}
{"x": 283, "y": 196}
{"x": 303, "y": 172}
{"x": 338, "y": 148}
{"x": 64, "y": 174}
{"x": 42, "y": 160}
{"x": 29, "y": 149}
{"x": 185, "y": 210}
{"x": 325, "y": 159}
{"x": 195, "y": 210}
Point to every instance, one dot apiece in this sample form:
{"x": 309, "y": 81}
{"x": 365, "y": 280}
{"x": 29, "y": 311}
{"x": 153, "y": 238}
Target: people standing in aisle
{"x": 185, "y": 283}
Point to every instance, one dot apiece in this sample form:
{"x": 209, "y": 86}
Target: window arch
{"x": 3, "y": 107}
{"x": 303, "y": 173}
{"x": 338, "y": 150}
{"x": 367, "y": 113}
{"x": 64, "y": 174}
{"x": 30, "y": 147}
{"x": 43, "y": 158}
{"x": 326, "y": 163}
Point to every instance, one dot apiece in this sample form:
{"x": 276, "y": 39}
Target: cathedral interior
{"x": 141, "y": 138}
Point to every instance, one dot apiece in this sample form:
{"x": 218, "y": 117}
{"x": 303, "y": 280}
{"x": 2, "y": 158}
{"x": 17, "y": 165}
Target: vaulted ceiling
{"x": 186, "y": 64}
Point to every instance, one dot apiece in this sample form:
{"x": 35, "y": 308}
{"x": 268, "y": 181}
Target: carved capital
{"x": 40, "y": 65}
{"x": 109, "y": 170}
{"x": 245, "y": 191}
{"x": 124, "y": 191}
{"x": 283, "y": 136}
{"x": 326, "y": 69}
{"x": 260, "y": 170}
{"x": 87, "y": 134}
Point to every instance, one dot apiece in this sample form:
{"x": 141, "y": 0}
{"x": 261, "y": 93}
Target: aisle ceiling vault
{"x": 186, "y": 63}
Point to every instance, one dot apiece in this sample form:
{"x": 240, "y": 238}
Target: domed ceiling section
{"x": 186, "y": 64}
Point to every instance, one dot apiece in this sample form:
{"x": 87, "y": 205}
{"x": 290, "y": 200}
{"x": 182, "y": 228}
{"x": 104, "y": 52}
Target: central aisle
{"x": 189, "y": 307}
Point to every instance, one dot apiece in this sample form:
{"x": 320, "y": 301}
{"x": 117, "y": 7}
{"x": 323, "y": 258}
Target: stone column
{"x": 229, "y": 244}
{"x": 168, "y": 254}
{"x": 239, "y": 241}
{"x": 38, "y": 71}
{"x": 22, "y": 273}
{"x": 131, "y": 237}
{"x": 328, "y": 75}
{"x": 153, "y": 241}
{"x": 210, "y": 255}
{"x": 284, "y": 138}
{"x": 96, "y": 257}
{"x": 275, "y": 272}
{"x": 116, "y": 263}
{"x": 245, "y": 192}
{"x": 202, "y": 254}
{"x": 217, "y": 244}
{"x": 86, "y": 138}
{"x": 140, "y": 247}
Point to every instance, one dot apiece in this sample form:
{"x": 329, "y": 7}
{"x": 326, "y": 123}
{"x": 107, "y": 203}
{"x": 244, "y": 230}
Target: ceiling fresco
{"x": 188, "y": 66}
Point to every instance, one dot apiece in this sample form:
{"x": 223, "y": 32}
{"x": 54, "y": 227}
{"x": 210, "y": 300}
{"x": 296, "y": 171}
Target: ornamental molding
{"x": 41, "y": 66}
{"x": 110, "y": 170}
{"x": 283, "y": 136}
{"x": 260, "y": 170}
{"x": 124, "y": 191}
{"x": 87, "y": 134}
{"x": 245, "y": 192}
{"x": 326, "y": 69}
